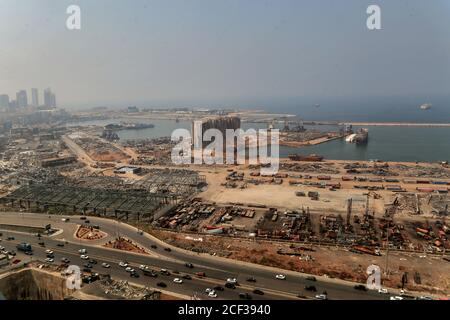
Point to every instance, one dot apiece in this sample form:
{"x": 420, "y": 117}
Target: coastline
{"x": 396, "y": 124}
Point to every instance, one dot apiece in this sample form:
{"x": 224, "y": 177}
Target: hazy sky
{"x": 224, "y": 52}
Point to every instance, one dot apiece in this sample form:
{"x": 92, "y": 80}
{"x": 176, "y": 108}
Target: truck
{"x": 25, "y": 247}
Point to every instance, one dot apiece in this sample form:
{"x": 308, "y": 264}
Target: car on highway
{"x": 60, "y": 244}
{"x": 310, "y": 288}
{"x": 178, "y": 280}
{"x": 65, "y": 260}
{"x": 360, "y": 287}
{"x": 165, "y": 272}
{"x": 50, "y": 255}
{"x": 396, "y": 298}
{"x": 150, "y": 273}
{"x": 41, "y": 243}
{"x": 311, "y": 278}
{"x": 65, "y": 219}
{"x": 123, "y": 264}
{"x": 161, "y": 284}
{"x": 245, "y": 295}
{"x": 92, "y": 261}
{"x": 200, "y": 274}
{"x": 230, "y": 285}
{"x": 105, "y": 265}
{"x": 280, "y": 277}
{"x": 82, "y": 251}
{"x": 251, "y": 279}
{"x": 187, "y": 277}
{"x": 88, "y": 265}
{"x": 48, "y": 251}
{"x": 10, "y": 238}
{"x": 143, "y": 267}
{"x": 232, "y": 280}
{"x": 189, "y": 265}
{"x": 84, "y": 257}
{"x": 258, "y": 292}
{"x": 383, "y": 290}
{"x": 83, "y": 218}
{"x": 49, "y": 260}
{"x": 29, "y": 253}
{"x": 218, "y": 288}
{"x": 424, "y": 298}
{"x": 129, "y": 269}
{"x": 87, "y": 221}
{"x": 321, "y": 296}
{"x": 134, "y": 274}
{"x": 212, "y": 294}
{"x": 153, "y": 246}
{"x": 12, "y": 253}
{"x": 167, "y": 249}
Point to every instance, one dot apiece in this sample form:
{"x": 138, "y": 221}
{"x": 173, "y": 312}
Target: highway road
{"x": 217, "y": 269}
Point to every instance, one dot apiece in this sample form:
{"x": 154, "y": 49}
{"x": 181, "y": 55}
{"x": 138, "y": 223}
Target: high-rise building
{"x": 22, "y": 99}
{"x": 34, "y": 97}
{"x": 4, "y": 101}
{"x": 49, "y": 98}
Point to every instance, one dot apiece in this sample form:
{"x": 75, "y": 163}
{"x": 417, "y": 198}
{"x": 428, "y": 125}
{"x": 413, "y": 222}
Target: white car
{"x": 178, "y": 280}
{"x": 129, "y": 269}
{"x": 105, "y": 265}
{"x": 82, "y": 251}
{"x": 402, "y": 292}
{"x": 143, "y": 267}
{"x": 50, "y": 260}
{"x": 280, "y": 277}
{"x": 425, "y": 298}
{"x": 396, "y": 298}
{"x": 208, "y": 290}
{"x": 48, "y": 251}
{"x": 123, "y": 264}
{"x": 383, "y": 290}
{"x": 212, "y": 294}
{"x": 321, "y": 296}
{"x": 84, "y": 257}
{"x": 232, "y": 280}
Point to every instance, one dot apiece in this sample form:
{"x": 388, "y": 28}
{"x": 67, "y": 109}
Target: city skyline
{"x": 21, "y": 99}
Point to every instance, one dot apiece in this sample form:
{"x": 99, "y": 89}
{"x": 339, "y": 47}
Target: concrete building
{"x": 34, "y": 97}
{"x": 4, "y": 101}
{"x": 49, "y": 98}
{"x": 219, "y": 123}
{"x": 22, "y": 99}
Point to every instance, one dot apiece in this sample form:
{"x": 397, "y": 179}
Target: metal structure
{"x": 135, "y": 204}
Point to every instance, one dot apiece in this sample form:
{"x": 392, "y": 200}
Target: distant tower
{"x": 22, "y": 99}
{"x": 4, "y": 101}
{"x": 34, "y": 97}
{"x": 49, "y": 98}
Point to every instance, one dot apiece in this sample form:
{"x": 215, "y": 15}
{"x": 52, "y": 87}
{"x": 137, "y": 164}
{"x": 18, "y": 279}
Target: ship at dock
{"x": 128, "y": 126}
{"x": 311, "y": 157}
{"x": 361, "y": 136}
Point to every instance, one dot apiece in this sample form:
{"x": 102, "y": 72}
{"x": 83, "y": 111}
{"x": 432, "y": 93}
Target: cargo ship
{"x": 128, "y": 126}
{"x": 425, "y": 106}
{"x": 311, "y": 157}
{"x": 362, "y": 135}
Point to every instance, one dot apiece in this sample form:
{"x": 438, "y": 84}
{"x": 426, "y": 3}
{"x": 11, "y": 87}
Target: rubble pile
{"x": 124, "y": 290}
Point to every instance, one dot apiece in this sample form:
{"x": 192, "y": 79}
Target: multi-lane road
{"x": 217, "y": 269}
